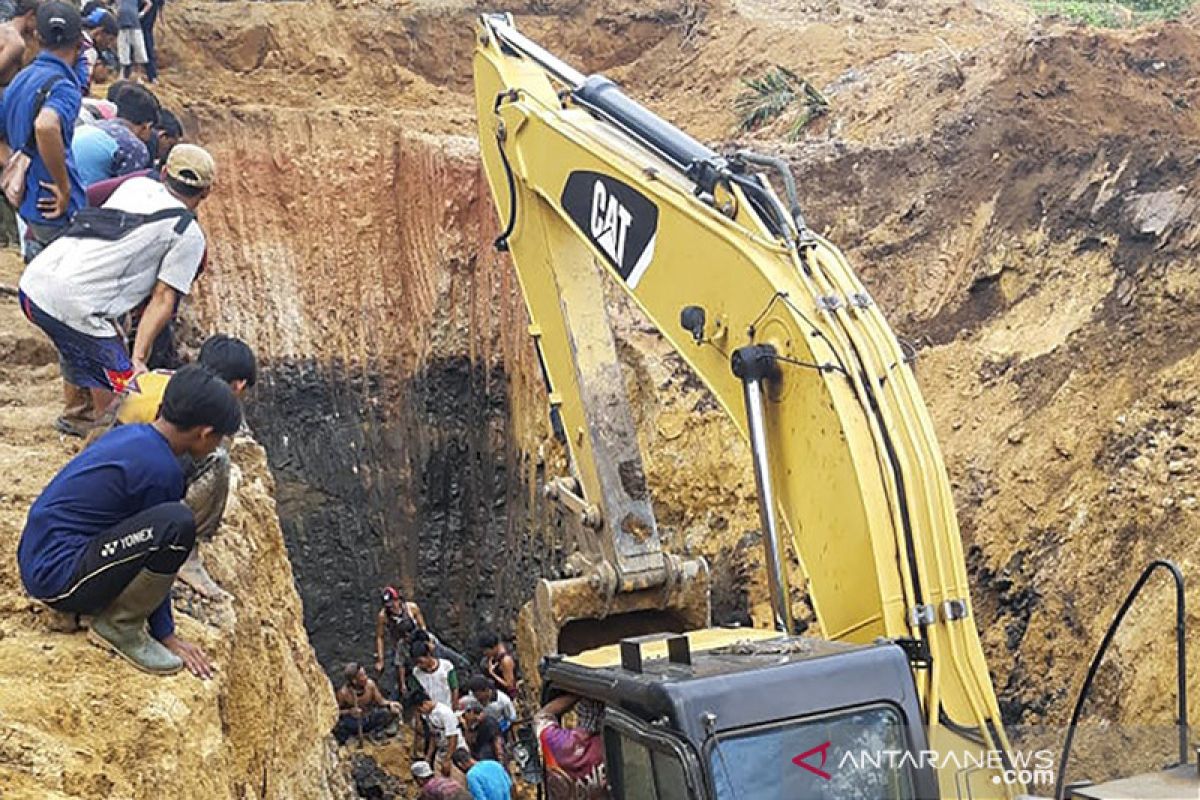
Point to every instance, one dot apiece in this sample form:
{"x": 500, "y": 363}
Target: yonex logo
{"x": 127, "y": 541}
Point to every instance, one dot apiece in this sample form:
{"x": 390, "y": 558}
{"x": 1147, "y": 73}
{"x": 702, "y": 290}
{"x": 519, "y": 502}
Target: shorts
{"x": 131, "y": 46}
{"x": 87, "y": 361}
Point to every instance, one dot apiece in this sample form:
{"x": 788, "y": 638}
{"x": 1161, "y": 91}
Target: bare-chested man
{"x": 16, "y": 36}
{"x": 361, "y": 706}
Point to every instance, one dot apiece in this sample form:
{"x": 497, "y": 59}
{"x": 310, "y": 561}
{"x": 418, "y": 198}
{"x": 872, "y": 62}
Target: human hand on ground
{"x": 54, "y": 206}
{"x": 193, "y": 657}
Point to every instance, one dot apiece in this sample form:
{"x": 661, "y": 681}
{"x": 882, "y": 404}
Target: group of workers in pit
{"x": 106, "y": 198}
{"x": 465, "y": 730}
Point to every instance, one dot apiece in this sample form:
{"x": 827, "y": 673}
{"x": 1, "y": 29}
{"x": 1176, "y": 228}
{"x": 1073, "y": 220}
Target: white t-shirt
{"x": 501, "y": 708}
{"x": 444, "y": 723}
{"x": 437, "y": 683}
{"x": 87, "y": 283}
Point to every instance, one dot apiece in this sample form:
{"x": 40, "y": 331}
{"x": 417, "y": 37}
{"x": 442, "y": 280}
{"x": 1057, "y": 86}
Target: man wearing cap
{"x": 436, "y": 787}
{"x": 99, "y": 33}
{"x": 395, "y": 625}
{"x": 79, "y": 289}
{"x": 483, "y": 735}
{"x": 37, "y": 116}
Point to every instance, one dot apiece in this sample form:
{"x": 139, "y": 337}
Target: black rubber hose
{"x": 501, "y": 243}
{"x": 1180, "y": 666}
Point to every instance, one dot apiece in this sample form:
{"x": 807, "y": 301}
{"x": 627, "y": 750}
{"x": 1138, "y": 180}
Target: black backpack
{"x": 112, "y": 224}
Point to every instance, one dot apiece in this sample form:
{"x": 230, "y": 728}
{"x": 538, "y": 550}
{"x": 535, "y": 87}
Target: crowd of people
{"x": 105, "y": 196}
{"x": 464, "y": 730}
{"x": 461, "y": 727}
{"x": 57, "y": 139}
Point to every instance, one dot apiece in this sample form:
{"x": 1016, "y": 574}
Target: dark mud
{"x": 416, "y": 482}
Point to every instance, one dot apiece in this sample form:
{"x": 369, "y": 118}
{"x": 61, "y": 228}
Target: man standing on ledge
{"x": 37, "y": 116}
{"x": 109, "y": 533}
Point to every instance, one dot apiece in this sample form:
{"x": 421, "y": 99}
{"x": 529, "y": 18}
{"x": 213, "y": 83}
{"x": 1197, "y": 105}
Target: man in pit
{"x": 395, "y": 625}
{"x": 362, "y": 709}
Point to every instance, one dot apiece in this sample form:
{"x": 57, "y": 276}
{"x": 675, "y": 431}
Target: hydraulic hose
{"x": 501, "y": 242}
{"x": 1180, "y": 666}
{"x": 784, "y": 171}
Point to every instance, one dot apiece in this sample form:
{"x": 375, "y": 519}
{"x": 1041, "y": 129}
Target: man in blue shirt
{"x": 114, "y": 147}
{"x": 486, "y": 780}
{"x": 109, "y": 533}
{"x": 53, "y": 190}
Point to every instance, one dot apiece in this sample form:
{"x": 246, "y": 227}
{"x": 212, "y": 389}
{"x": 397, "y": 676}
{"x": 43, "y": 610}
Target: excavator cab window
{"x": 854, "y": 753}
{"x": 645, "y": 764}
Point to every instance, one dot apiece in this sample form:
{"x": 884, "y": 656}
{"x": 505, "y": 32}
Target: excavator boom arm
{"x": 775, "y": 323}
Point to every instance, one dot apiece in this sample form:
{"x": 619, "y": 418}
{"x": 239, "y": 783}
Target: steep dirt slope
{"x": 1019, "y": 197}
{"x": 75, "y": 722}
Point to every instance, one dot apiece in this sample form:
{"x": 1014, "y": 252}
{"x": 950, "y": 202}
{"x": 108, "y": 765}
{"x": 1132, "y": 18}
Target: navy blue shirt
{"x": 127, "y": 471}
{"x": 16, "y": 128}
{"x": 127, "y": 13}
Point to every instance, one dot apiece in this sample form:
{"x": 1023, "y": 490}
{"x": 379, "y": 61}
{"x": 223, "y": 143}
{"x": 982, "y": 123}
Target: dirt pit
{"x": 1019, "y": 196}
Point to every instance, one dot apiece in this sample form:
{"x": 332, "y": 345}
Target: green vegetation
{"x": 770, "y": 95}
{"x": 1109, "y": 14}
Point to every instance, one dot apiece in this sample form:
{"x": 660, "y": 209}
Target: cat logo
{"x": 620, "y": 221}
{"x": 610, "y": 222}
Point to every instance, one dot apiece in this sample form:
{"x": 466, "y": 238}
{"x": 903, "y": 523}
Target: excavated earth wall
{"x": 389, "y": 333}
{"x": 1018, "y": 195}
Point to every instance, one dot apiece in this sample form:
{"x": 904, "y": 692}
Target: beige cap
{"x": 191, "y": 166}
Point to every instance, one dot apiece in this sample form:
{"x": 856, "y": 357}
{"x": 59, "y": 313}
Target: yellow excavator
{"x": 895, "y": 700}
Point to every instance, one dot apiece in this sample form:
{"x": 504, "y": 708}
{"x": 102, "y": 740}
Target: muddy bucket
{"x": 573, "y": 615}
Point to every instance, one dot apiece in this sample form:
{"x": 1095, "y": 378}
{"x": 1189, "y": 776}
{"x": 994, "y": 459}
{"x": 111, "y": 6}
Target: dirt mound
{"x": 1038, "y": 240}
{"x": 78, "y": 722}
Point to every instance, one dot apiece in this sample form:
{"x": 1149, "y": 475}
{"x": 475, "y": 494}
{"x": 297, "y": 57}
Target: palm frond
{"x": 768, "y": 97}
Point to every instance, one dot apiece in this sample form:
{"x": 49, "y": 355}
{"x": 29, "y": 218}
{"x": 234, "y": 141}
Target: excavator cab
{"x": 729, "y": 714}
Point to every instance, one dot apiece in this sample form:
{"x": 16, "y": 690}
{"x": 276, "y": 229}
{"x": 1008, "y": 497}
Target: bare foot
{"x": 194, "y": 575}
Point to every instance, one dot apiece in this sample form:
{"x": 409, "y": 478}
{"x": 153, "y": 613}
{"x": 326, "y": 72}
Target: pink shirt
{"x": 574, "y": 761}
